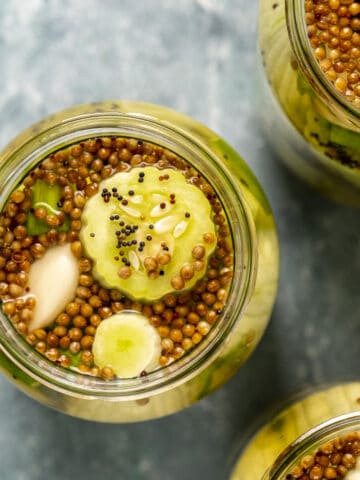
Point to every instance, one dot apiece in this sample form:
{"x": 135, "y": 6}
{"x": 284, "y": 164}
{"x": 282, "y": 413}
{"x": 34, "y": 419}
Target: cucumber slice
{"x": 149, "y": 232}
{"x": 128, "y": 344}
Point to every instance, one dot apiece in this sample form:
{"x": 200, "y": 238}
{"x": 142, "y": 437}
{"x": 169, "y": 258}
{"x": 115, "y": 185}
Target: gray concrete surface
{"x": 196, "y": 56}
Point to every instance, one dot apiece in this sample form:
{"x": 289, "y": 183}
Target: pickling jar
{"x": 252, "y": 292}
{"x": 311, "y": 121}
{"x": 291, "y": 436}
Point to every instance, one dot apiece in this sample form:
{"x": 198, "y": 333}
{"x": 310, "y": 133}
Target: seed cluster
{"x": 331, "y": 461}
{"x": 182, "y": 320}
{"x": 129, "y": 247}
{"x": 334, "y": 32}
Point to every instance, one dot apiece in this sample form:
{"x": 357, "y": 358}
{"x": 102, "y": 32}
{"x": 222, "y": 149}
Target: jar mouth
{"x": 312, "y": 439}
{"x": 184, "y": 143}
{"x": 296, "y": 24}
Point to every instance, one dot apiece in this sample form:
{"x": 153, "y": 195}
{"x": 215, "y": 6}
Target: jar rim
{"x": 296, "y": 25}
{"x": 126, "y": 118}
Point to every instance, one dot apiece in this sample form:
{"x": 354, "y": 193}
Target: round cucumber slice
{"x": 128, "y": 344}
{"x": 149, "y": 232}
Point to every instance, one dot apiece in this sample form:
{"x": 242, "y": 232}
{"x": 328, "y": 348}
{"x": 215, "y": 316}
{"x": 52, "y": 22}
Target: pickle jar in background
{"x": 287, "y": 444}
{"x": 238, "y": 326}
{"x": 309, "y": 79}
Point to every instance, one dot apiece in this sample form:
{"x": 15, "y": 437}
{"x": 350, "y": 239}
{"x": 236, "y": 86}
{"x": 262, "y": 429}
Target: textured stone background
{"x": 196, "y": 56}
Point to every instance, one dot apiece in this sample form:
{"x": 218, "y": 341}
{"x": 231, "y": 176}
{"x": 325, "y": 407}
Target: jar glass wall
{"x": 239, "y": 325}
{"x": 314, "y": 128}
{"x": 278, "y": 447}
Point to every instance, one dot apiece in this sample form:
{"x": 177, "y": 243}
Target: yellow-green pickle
{"x": 138, "y": 261}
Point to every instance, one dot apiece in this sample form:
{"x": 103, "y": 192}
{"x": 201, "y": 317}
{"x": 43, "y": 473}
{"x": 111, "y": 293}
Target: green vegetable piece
{"x": 344, "y": 137}
{"x": 47, "y": 196}
{"x": 14, "y": 372}
{"x": 302, "y": 85}
{"x": 149, "y": 232}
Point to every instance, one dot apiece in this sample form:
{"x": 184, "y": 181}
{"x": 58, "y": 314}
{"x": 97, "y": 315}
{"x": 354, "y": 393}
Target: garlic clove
{"x": 53, "y": 280}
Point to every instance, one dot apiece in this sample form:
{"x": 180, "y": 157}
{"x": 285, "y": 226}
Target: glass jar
{"x": 312, "y": 126}
{"x": 301, "y": 427}
{"x": 251, "y": 295}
